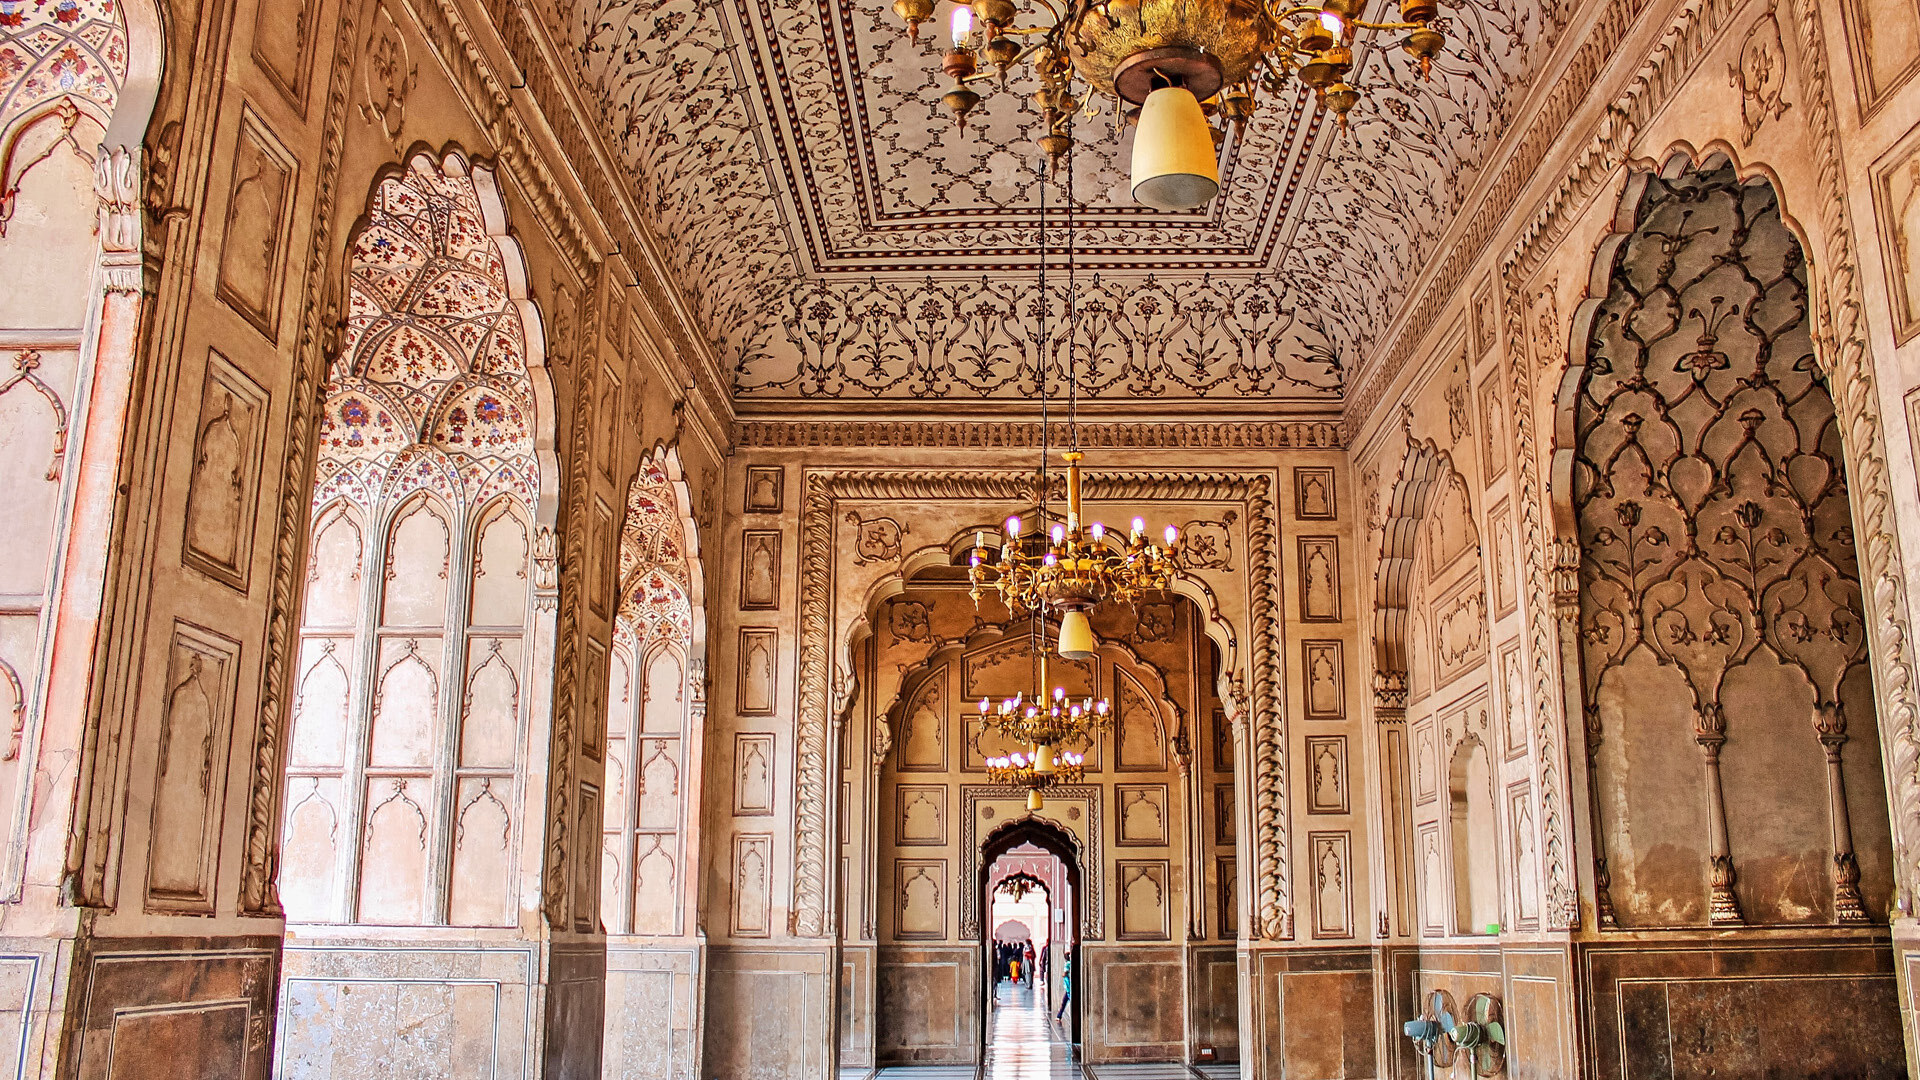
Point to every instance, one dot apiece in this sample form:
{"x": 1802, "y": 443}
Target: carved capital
{"x": 116, "y": 181}
{"x": 1565, "y": 577}
{"x": 1709, "y": 726}
{"x": 699, "y": 681}
{"x": 1830, "y": 724}
{"x": 546, "y": 568}
{"x": 1389, "y": 696}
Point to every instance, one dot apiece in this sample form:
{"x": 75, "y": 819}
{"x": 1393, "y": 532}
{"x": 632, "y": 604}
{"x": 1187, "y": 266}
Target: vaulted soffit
{"x": 847, "y": 244}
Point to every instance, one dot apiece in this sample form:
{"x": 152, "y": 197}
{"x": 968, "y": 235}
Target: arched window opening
{"x": 405, "y": 786}
{"x": 651, "y": 715}
{"x": 62, "y": 70}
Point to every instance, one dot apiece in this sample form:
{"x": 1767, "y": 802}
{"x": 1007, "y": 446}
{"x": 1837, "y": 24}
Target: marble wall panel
{"x": 927, "y": 1005}
{"x": 1216, "y": 1012}
{"x": 1312, "y": 1011}
{"x": 146, "y": 1011}
{"x": 653, "y": 1011}
{"x": 774, "y": 1020}
{"x": 1693, "y": 1006}
{"x": 352, "y": 1009}
{"x": 1134, "y": 1006}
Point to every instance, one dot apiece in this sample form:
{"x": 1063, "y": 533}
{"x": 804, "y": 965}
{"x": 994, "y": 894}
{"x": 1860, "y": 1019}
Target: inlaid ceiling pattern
{"x": 844, "y": 240}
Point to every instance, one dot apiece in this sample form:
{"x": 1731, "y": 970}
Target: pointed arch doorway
{"x": 1017, "y": 848}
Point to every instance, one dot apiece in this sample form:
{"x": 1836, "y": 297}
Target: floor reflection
{"x": 1025, "y": 1042}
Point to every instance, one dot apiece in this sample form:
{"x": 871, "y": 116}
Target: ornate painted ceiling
{"x": 846, "y": 242}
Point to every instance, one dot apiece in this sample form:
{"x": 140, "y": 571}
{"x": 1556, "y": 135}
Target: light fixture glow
{"x": 962, "y": 25}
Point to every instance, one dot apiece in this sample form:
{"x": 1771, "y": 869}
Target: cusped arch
{"x": 659, "y": 512}
{"x": 954, "y": 551}
{"x": 1409, "y": 498}
{"x": 437, "y": 293}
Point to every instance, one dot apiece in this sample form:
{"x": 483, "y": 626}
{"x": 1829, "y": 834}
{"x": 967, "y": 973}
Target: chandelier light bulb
{"x": 1173, "y": 535}
{"x": 962, "y": 25}
{"x": 1099, "y": 532}
{"x": 1013, "y": 525}
{"x": 1139, "y": 527}
{"x": 1334, "y": 24}
{"x": 1059, "y": 533}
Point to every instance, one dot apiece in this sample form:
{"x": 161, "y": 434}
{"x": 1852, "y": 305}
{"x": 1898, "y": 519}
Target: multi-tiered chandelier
{"x": 1051, "y": 727}
{"x": 1072, "y": 568}
{"x": 1175, "y": 63}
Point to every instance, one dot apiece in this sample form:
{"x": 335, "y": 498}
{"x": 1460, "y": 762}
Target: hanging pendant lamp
{"x": 1174, "y": 160}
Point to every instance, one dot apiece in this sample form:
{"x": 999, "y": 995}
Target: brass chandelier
{"x": 1049, "y": 725}
{"x": 1174, "y": 63}
{"x": 1035, "y": 772}
{"x": 1068, "y": 567}
{"x": 1073, "y": 568}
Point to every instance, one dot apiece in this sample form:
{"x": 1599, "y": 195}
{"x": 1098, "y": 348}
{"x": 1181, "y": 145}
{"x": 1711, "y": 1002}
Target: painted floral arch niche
{"x": 407, "y": 794}
{"x": 1718, "y": 578}
{"x": 656, "y": 708}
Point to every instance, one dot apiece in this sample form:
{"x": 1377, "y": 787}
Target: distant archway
{"x": 1057, "y": 842}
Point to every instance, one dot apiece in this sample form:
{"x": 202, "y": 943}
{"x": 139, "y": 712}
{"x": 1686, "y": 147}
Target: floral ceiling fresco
{"x": 846, "y": 241}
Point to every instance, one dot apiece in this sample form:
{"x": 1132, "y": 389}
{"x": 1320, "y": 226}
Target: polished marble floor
{"x": 1025, "y": 1042}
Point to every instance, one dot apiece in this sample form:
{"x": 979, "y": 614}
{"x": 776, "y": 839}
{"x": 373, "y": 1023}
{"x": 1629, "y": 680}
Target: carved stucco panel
{"x": 1641, "y": 127}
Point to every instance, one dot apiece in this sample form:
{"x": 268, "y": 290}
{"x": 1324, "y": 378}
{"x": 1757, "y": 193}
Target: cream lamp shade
{"x": 1076, "y": 635}
{"x": 1174, "y": 167}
